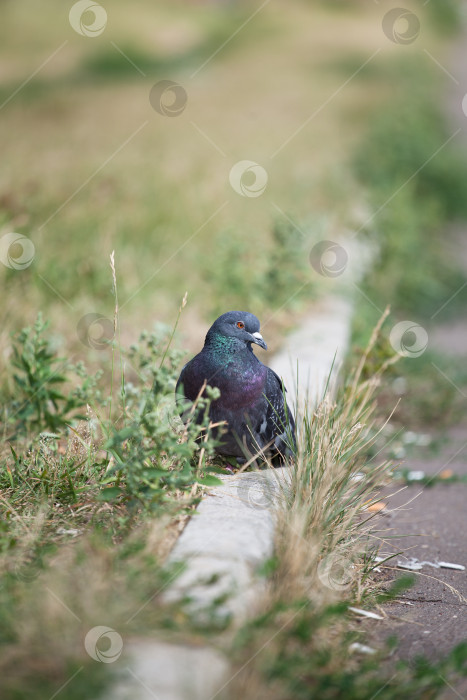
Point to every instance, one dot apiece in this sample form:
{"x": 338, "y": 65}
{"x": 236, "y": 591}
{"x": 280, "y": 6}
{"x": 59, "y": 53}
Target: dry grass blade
{"x": 322, "y": 534}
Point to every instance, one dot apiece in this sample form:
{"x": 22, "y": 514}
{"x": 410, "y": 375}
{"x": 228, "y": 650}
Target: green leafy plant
{"x": 38, "y": 400}
{"x": 257, "y": 275}
{"x": 154, "y": 455}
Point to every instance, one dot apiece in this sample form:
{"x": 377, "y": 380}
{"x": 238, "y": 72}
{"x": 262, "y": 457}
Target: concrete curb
{"x": 319, "y": 345}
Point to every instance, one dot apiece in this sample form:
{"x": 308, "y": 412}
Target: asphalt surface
{"x": 428, "y": 523}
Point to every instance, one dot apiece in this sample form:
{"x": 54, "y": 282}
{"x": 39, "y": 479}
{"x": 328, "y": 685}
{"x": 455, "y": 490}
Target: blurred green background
{"x": 314, "y": 92}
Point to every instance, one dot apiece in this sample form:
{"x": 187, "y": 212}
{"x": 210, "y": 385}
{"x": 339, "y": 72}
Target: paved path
{"x": 430, "y": 524}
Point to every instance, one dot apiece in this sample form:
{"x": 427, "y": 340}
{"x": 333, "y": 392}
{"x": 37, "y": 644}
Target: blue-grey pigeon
{"x": 252, "y": 397}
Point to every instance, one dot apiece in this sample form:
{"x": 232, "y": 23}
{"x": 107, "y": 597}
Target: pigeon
{"x": 252, "y": 402}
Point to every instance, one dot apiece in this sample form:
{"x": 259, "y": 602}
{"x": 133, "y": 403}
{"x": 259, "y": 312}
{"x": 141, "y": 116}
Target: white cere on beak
{"x": 259, "y": 340}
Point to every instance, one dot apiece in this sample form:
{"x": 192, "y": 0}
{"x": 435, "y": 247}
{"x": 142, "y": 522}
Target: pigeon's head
{"x": 237, "y": 324}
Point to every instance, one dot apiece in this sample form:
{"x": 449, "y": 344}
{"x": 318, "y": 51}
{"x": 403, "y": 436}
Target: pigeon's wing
{"x": 185, "y": 393}
{"x": 281, "y": 383}
{"x": 277, "y": 427}
{"x": 179, "y": 387}
{"x": 190, "y": 380}
{"x": 187, "y": 390}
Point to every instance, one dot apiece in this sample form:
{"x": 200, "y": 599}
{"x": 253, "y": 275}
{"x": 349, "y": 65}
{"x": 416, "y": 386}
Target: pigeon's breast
{"x": 240, "y": 386}
{"x": 241, "y": 381}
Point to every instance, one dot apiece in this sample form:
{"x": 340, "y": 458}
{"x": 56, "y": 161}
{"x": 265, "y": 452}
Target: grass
{"x": 417, "y": 265}
{"x": 410, "y": 227}
{"x": 110, "y": 499}
{"x": 43, "y": 645}
{"x": 105, "y": 496}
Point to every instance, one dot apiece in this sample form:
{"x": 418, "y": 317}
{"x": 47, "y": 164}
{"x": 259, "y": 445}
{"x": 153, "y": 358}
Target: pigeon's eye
{"x": 240, "y": 324}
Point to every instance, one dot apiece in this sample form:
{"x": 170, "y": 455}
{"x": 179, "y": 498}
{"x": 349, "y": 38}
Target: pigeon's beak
{"x": 258, "y": 340}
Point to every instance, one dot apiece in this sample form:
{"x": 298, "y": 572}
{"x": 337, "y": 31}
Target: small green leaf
{"x": 209, "y": 480}
{"x": 109, "y": 494}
